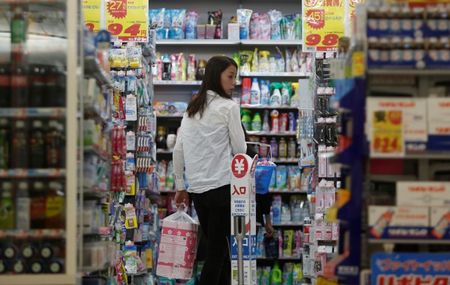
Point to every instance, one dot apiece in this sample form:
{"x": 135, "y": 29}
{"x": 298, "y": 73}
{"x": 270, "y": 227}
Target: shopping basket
{"x": 264, "y": 170}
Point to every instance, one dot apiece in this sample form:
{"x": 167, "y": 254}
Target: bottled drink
{"x": 53, "y": 145}
{"x": 19, "y": 147}
{"x": 37, "y": 86}
{"x": 19, "y": 86}
{"x": 3, "y": 267}
{"x": 23, "y": 207}
{"x": 37, "y": 146}
{"x": 18, "y": 34}
{"x": 37, "y": 267}
{"x": 5, "y": 86}
{"x": 28, "y": 251}
{"x": 4, "y": 144}
{"x": 282, "y": 148}
{"x": 60, "y": 99}
{"x": 274, "y": 147}
{"x": 161, "y": 138}
{"x": 51, "y": 86}
{"x": 37, "y": 208}
{"x": 292, "y": 149}
{"x": 55, "y": 266}
{"x": 7, "y": 206}
{"x": 48, "y": 251}
{"x": 55, "y": 206}
{"x": 19, "y": 267}
{"x": 10, "y": 251}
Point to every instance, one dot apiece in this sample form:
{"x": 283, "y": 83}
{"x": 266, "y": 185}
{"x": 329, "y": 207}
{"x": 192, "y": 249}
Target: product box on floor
{"x": 414, "y": 118}
{"x": 439, "y": 124}
{"x": 423, "y": 193}
{"x": 399, "y": 222}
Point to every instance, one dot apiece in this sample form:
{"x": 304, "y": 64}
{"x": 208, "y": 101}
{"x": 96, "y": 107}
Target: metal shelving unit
{"x": 52, "y": 113}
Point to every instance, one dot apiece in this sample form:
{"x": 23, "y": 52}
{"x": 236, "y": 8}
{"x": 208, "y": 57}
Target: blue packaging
{"x": 191, "y": 25}
{"x": 282, "y": 176}
{"x": 177, "y": 24}
{"x": 158, "y": 19}
{"x": 273, "y": 180}
{"x": 292, "y": 122}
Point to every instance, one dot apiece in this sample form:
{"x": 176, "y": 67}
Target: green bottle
{"x": 276, "y": 276}
{"x": 257, "y": 123}
{"x": 18, "y": 26}
{"x": 246, "y": 120}
{"x": 6, "y": 207}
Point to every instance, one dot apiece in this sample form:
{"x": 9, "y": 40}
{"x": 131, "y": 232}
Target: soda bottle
{"x": 37, "y": 86}
{"x": 37, "y": 208}
{"x": 23, "y": 206}
{"x": 19, "y": 147}
{"x": 4, "y": 144}
{"x": 37, "y": 146}
{"x": 7, "y": 208}
{"x": 54, "y": 207}
{"x": 53, "y": 145}
{"x": 5, "y": 86}
{"x": 19, "y": 86}
{"x": 18, "y": 34}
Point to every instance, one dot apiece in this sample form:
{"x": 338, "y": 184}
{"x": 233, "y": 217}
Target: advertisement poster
{"x": 92, "y": 14}
{"x": 323, "y": 24}
{"x": 386, "y": 133}
{"x": 410, "y": 268}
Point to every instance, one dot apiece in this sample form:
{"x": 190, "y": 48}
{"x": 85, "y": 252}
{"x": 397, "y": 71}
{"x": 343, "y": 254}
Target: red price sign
{"x": 127, "y": 20}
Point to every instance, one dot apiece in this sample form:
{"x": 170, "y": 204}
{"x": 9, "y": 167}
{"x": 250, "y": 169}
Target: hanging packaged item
{"x": 178, "y": 246}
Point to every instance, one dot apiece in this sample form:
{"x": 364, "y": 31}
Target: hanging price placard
{"x": 127, "y": 19}
{"x": 387, "y": 138}
{"x": 323, "y": 24}
{"x": 92, "y": 14}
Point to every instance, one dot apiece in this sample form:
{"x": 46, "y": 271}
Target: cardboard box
{"x": 398, "y": 222}
{"x": 233, "y": 31}
{"x": 414, "y": 118}
{"x": 423, "y": 193}
{"x": 439, "y": 124}
{"x": 440, "y": 222}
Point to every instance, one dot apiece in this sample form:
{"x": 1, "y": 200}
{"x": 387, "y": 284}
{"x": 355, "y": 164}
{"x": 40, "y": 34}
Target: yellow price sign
{"x": 323, "y": 24}
{"x": 127, "y": 19}
{"x": 92, "y": 14}
{"x": 387, "y": 134}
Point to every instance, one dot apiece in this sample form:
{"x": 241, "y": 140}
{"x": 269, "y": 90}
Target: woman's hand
{"x": 182, "y": 198}
{"x": 269, "y": 229}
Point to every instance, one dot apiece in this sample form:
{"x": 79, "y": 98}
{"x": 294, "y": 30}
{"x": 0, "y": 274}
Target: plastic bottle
{"x": 18, "y": 28}
{"x": 55, "y": 207}
{"x": 167, "y": 68}
{"x": 54, "y": 145}
{"x": 282, "y": 149}
{"x": 292, "y": 149}
{"x": 5, "y": 85}
{"x": 275, "y": 99}
{"x": 264, "y": 65}
{"x": 161, "y": 138}
{"x": 246, "y": 91}
{"x": 266, "y": 125}
{"x": 19, "y": 87}
{"x": 246, "y": 120}
{"x": 263, "y": 150}
{"x": 285, "y": 94}
{"x": 37, "y": 146}
{"x": 275, "y": 121}
{"x": 37, "y": 207}
{"x": 274, "y": 147}
{"x": 284, "y": 121}
{"x": 191, "y": 67}
{"x": 255, "y": 97}
{"x": 7, "y": 206}
{"x": 4, "y": 144}
{"x": 23, "y": 206}
{"x": 19, "y": 266}
{"x": 257, "y": 122}
{"x": 37, "y": 86}
{"x": 276, "y": 276}
{"x": 19, "y": 146}
{"x": 292, "y": 122}
{"x": 265, "y": 93}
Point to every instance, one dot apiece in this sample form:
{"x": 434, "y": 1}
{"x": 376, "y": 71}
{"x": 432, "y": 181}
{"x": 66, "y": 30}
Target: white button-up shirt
{"x": 205, "y": 145}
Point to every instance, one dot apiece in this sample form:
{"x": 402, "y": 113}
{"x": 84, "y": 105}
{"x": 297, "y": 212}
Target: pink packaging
{"x": 260, "y": 26}
{"x": 178, "y": 246}
{"x": 210, "y": 32}
{"x": 201, "y": 32}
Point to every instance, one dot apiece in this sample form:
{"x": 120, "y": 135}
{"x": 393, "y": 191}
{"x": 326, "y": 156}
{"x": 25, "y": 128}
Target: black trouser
{"x": 213, "y": 210}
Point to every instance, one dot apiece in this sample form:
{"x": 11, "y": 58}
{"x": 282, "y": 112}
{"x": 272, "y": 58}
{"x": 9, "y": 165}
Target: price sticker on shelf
{"x": 92, "y": 14}
{"x": 387, "y": 138}
{"x": 323, "y": 24}
{"x": 127, "y": 19}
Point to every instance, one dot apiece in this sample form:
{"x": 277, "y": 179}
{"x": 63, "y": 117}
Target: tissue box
{"x": 233, "y": 31}
{"x": 439, "y": 124}
{"x": 398, "y": 222}
{"x": 423, "y": 193}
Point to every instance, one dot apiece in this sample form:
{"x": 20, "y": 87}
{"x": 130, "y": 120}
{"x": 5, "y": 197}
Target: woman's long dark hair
{"x": 214, "y": 68}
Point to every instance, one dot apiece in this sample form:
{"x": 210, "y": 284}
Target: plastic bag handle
{"x": 269, "y": 154}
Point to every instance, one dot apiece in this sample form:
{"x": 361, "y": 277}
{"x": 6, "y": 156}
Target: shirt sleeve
{"x": 236, "y": 132}
{"x": 178, "y": 162}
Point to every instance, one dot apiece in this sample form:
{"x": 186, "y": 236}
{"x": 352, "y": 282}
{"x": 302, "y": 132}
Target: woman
{"x": 209, "y": 136}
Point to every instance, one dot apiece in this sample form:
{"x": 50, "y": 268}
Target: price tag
{"x": 92, "y": 14}
{"x": 127, "y": 19}
{"x": 387, "y": 134}
{"x": 323, "y": 24}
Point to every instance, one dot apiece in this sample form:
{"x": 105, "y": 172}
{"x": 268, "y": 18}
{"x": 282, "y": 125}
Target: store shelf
{"x": 262, "y": 107}
{"x": 91, "y": 111}
{"x": 428, "y": 155}
{"x": 197, "y": 42}
{"x": 271, "y": 42}
{"x": 286, "y": 161}
{"x": 24, "y": 234}
{"x": 91, "y": 269}
{"x": 413, "y": 72}
{"x": 47, "y": 279}
{"x": 33, "y": 112}
{"x": 280, "y": 258}
{"x": 94, "y": 149}
{"x": 92, "y": 68}
{"x": 169, "y": 117}
{"x": 287, "y": 191}
{"x": 408, "y": 241}
{"x": 391, "y": 178}
{"x": 269, "y": 134}
{"x": 164, "y": 151}
{"x": 32, "y": 173}
{"x": 176, "y": 83}
{"x": 288, "y": 225}
{"x": 274, "y": 74}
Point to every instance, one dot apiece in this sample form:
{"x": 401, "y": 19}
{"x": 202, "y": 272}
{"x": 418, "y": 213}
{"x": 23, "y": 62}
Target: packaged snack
{"x": 215, "y": 18}
{"x": 244, "y": 16}
{"x": 275, "y": 19}
{"x": 191, "y": 25}
{"x": 157, "y": 20}
{"x": 177, "y": 20}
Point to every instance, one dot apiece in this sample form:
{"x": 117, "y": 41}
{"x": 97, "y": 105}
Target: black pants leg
{"x": 213, "y": 210}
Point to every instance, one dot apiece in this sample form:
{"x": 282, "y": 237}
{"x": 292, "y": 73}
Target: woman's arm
{"x": 237, "y": 136}
{"x": 178, "y": 163}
